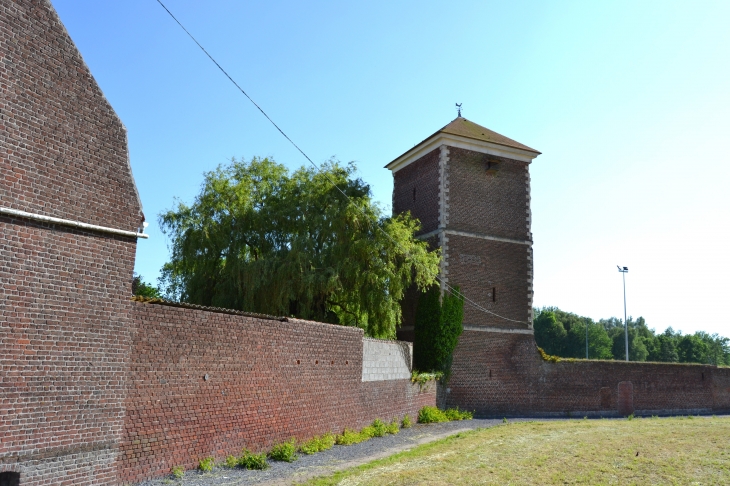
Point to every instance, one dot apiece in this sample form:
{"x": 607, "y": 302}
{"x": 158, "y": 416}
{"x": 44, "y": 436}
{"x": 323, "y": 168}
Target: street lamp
{"x": 624, "y": 271}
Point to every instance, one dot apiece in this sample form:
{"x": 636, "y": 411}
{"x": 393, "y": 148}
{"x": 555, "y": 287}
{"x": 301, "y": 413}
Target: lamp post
{"x": 624, "y": 271}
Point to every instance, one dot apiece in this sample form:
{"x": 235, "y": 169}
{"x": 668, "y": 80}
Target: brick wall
{"x": 422, "y": 177}
{"x": 64, "y": 337}
{"x": 63, "y": 150}
{"x": 267, "y": 381}
{"x": 494, "y": 275}
{"x": 64, "y": 343}
{"x": 502, "y": 374}
{"x": 482, "y": 202}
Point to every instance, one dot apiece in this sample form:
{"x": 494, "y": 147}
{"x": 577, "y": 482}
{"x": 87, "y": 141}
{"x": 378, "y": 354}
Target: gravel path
{"x": 327, "y": 462}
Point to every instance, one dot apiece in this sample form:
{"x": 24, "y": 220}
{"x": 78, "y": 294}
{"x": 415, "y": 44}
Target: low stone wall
{"x": 386, "y": 360}
{"x": 207, "y": 383}
{"x": 502, "y": 374}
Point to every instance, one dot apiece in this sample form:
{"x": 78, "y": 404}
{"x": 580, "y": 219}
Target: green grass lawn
{"x": 641, "y": 451}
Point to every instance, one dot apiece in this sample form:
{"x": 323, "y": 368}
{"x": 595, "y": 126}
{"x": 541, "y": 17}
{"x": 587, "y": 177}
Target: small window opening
{"x": 414, "y": 194}
{"x": 9, "y": 478}
{"x": 494, "y": 294}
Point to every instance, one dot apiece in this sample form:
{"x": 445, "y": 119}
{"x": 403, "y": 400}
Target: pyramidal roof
{"x": 465, "y": 128}
{"x": 462, "y": 129}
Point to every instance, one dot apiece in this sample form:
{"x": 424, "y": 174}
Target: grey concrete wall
{"x": 386, "y": 360}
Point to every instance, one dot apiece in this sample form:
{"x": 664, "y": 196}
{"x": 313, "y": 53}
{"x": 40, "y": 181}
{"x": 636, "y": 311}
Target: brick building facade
{"x": 64, "y": 319}
{"x": 470, "y": 188}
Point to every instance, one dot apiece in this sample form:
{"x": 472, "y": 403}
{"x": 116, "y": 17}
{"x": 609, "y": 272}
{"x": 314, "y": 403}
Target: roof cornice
{"x": 451, "y": 140}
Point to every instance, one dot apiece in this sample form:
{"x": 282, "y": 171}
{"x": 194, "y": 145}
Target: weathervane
{"x": 458, "y": 108}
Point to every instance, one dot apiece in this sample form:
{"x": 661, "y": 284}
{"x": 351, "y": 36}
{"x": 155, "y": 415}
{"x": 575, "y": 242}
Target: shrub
{"x": 231, "y": 461}
{"x": 249, "y": 460}
{"x": 393, "y": 428}
{"x": 348, "y": 437}
{"x": 178, "y": 472}
{"x": 206, "y": 465}
{"x": 367, "y": 433}
{"x": 406, "y": 423}
{"x": 318, "y": 444}
{"x": 456, "y": 414}
{"x": 379, "y": 428}
{"x": 430, "y": 415}
{"x": 286, "y": 451}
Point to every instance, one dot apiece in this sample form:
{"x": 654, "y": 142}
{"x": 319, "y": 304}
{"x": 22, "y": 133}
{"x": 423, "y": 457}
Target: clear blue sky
{"x": 629, "y": 102}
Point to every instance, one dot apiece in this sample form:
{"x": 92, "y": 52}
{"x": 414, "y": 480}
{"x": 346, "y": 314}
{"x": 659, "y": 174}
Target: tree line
{"x": 563, "y": 334}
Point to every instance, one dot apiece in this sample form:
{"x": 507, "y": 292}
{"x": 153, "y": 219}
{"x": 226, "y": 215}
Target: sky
{"x": 628, "y": 102}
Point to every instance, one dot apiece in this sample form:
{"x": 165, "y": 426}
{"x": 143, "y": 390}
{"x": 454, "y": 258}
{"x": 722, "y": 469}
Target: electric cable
{"x": 318, "y": 168}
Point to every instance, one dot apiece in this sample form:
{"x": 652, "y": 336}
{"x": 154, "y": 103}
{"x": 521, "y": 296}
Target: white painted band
{"x": 472, "y": 235}
{"x": 499, "y": 329}
{"x": 68, "y": 222}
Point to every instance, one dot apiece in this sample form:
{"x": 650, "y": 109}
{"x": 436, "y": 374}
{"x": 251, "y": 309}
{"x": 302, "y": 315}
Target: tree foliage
{"x": 143, "y": 289}
{"x": 261, "y": 239}
{"x": 562, "y": 334}
{"x": 437, "y": 328}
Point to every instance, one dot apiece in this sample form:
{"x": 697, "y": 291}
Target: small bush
{"x": 393, "y": 427}
{"x": 406, "y": 423}
{"x": 286, "y": 451}
{"x": 249, "y": 460}
{"x": 379, "y": 428}
{"x": 431, "y": 415}
{"x": 348, "y": 437}
{"x": 456, "y": 414}
{"x": 178, "y": 472}
{"x": 367, "y": 433}
{"x": 231, "y": 461}
{"x": 206, "y": 465}
{"x": 318, "y": 444}
{"x": 504, "y": 420}
{"x": 630, "y": 417}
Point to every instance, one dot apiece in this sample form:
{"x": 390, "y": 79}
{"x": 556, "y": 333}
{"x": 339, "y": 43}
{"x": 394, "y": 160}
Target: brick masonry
{"x": 64, "y": 325}
{"x": 502, "y": 374}
{"x": 96, "y": 389}
{"x": 483, "y": 230}
{"x": 419, "y": 191}
{"x": 208, "y": 384}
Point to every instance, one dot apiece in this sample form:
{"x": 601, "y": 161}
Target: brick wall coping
{"x": 68, "y": 222}
{"x": 219, "y": 310}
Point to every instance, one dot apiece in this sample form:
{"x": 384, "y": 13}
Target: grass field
{"x": 691, "y": 450}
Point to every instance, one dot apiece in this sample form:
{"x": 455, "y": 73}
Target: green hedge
{"x": 437, "y": 329}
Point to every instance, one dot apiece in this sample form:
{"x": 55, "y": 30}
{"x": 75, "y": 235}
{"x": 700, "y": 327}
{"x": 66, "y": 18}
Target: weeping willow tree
{"x": 261, "y": 239}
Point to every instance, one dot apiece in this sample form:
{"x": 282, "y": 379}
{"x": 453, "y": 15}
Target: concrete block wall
{"x": 386, "y": 360}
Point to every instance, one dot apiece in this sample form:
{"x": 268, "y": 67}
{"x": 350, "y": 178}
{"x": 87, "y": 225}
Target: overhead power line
{"x": 319, "y": 169}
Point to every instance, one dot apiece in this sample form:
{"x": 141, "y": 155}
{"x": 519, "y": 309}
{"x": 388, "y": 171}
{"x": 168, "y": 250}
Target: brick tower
{"x": 470, "y": 188}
